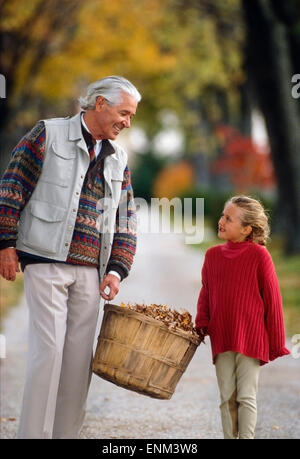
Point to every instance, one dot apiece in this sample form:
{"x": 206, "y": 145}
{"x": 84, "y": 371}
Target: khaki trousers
{"x": 237, "y": 377}
{"x": 63, "y": 303}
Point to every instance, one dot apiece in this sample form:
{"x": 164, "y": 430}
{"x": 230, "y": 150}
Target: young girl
{"x": 240, "y": 308}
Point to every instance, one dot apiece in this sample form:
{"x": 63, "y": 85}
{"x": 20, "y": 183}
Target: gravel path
{"x": 165, "y": 271}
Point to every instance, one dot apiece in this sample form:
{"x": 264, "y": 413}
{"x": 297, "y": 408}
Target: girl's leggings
{"x": 237, "y": 377}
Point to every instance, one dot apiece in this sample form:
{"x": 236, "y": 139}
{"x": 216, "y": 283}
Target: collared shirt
{"x": 98, "y": 145}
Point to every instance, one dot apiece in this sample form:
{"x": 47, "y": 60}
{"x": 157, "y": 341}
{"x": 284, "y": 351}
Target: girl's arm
{"x": 202, "y": 316}
{"x": 271, "y": 295}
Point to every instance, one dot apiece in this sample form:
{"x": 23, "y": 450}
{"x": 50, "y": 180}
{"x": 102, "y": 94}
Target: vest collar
{"x": 75, "y": 133}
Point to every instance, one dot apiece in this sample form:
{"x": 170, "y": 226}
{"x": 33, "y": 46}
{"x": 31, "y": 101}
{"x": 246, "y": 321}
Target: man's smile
{"x": 117, "y": 128}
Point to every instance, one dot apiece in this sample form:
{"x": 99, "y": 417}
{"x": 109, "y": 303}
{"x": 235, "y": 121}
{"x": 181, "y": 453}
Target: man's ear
{"x": 100, "y": 101}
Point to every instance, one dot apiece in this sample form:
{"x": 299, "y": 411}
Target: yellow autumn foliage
{"x": 173, "y": 180}
{"x": 112, "y": 37}
{"x": 177, "y": 53}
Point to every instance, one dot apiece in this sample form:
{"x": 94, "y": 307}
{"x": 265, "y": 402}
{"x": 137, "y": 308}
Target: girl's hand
{"x": 202, "y": 332}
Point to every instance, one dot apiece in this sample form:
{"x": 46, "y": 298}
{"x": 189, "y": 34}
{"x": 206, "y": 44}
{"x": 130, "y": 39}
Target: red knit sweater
{"x": 239, "y": 305}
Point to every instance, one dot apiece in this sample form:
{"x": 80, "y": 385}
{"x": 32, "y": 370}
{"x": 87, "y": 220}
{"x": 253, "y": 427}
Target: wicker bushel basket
{"x": 141, "y": 354}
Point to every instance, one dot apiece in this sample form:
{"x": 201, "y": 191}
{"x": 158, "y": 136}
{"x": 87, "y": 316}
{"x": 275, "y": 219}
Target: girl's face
{"x": 230, "y": 227}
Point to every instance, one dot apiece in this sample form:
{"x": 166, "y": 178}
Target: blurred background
{"x": 220, "y": 113}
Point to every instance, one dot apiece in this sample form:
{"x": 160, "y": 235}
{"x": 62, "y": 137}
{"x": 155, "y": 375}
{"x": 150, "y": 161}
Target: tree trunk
{"x": 271, "y": 70}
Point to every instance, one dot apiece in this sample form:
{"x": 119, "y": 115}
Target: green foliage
{"x": 215, "y": 199}
{"x": 287, "y": 269}
{"x": 144, "y": 172}
{"x": 10, "y": 293}
{"x": 213, "y": 202}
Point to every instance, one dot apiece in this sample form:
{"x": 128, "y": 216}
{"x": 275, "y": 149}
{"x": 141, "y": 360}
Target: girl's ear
{"x": 247, "y": 230}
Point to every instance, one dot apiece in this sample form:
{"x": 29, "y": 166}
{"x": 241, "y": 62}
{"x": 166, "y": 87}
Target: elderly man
{"x": 59, "y": 217}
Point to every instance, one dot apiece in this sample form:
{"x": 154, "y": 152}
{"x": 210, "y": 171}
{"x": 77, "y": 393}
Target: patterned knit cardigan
{"x": 18, "y": 184}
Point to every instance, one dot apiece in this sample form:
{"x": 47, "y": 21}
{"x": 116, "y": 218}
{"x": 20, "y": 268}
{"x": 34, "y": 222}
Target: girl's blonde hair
{"x": 254, "y": 215}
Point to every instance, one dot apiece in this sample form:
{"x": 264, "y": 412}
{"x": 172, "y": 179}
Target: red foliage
{"x": 249, "y": 165}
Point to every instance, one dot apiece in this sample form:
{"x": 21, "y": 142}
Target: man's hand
{"x": 113, "y": 283}
{"x": 9, "y": 263}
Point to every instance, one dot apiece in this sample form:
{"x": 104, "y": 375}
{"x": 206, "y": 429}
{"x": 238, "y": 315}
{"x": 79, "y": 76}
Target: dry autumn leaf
{"x": 170, "y": 317}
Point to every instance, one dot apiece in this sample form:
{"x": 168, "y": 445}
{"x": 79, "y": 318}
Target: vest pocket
{"x": 58, "y": 165}
{"x": 44, "y": 227}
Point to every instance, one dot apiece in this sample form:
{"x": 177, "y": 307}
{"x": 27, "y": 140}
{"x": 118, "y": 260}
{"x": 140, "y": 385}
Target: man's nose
{"x": 126, "y": 122}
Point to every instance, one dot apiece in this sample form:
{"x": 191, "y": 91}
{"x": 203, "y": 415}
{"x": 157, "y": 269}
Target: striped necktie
{"x": 91, "y": 150}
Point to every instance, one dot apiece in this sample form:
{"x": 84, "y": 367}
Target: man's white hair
{"x": 111, "y": 89}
